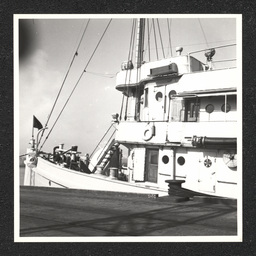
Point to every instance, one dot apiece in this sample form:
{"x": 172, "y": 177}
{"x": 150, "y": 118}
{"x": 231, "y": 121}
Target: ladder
{"x": 102, "y": 157}
{"x": 106, "y": 154}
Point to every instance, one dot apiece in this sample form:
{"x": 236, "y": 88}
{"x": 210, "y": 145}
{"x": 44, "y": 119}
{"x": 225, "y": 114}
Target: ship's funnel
{"x": 179, "y": 50}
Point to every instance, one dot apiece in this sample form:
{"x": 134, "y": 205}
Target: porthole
{"x": 172, "y": 92}
{"x": 165, "y": 159}
{"x": 209, "y": 108}
{"x": 228, "y": 108}
{"x": 159, "y": 96}
{"x": 181, "y": 160}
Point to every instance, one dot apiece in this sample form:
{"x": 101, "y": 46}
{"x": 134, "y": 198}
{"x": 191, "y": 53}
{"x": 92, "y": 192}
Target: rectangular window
{"x": 177, "y": 110}
{"x": 192, "y": 108}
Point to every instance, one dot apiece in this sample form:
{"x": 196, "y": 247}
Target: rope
{"x": 137, "y": 90}
{"x": 132, "y": 51}
{"x": 102, "y": 75}
{"x": 129, "y": 57}
{"x": 160, "y": 36}
{"x": 148, "y": 40}
{"x": 76, "y": 83}
{"x": 147, "y": 47}
{"x": 155, "y": 38}
{"x": 203, "y": 33}
{"x": 76, "y": 53}
{"x": 169, "y": 33}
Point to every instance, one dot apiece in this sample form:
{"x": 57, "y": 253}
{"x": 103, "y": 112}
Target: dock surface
{"x": 51, "y": 212}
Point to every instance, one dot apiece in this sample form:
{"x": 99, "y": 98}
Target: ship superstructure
{"x": 180, "y": 123}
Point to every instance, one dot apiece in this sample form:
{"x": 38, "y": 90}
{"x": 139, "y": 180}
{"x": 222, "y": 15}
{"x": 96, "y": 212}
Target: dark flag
{"x": 36, "y": 123}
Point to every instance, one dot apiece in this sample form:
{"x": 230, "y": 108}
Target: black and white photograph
{"x": 128, "y": 128}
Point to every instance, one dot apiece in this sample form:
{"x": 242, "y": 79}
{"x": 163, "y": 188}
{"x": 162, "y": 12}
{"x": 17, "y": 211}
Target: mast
{"x": 139, "y": 59}
{"x": 140, "y": 42}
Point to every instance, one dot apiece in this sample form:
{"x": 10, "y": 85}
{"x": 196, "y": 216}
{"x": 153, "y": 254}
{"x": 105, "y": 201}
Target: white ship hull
{"x": 47, "y": 174}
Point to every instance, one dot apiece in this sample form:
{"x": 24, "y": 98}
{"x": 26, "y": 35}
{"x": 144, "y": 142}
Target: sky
{"x": 46, "y": 50}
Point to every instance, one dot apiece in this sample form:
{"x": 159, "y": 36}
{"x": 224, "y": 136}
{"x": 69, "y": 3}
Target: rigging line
{"x": 169, "y": 33}
{"x": 155, "y": 38}
{"x": 76, "y": 83}
{"x": 97, "y": 45}
{"x": 160, "y": 36}
{"x": 147, "y": 48}
{"x": 212, "y": 42}
{"x": 126, "y": 74}
{"x": 102, "y": 75}
{"x": 82, "y": 35}
{"x": 203, "y": 33}
{"x": 101, "y": 140}
{"x": 138, "y": 73}
{"x": 76, "y": 53}
{"x": 131, "y": 40}
{"x": 62, "y": 109}
{"x": 148, "y": 41}
{"x": 132, "y": 51}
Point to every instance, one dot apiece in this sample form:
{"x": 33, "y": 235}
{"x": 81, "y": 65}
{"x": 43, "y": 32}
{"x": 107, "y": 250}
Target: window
{"x": 154, "y": 158}
{"x": 171, "y": 93}
{"x": 165, "y": 159}
{"x": 225, "y": 108}
{"x": 192, "y": 110}
{"x": 209, "y": 108}
{"x": 181, "y": 160}
{"x": 159, "y": 96}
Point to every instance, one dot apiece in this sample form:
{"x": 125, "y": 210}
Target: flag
{"x": 36, "y": 123}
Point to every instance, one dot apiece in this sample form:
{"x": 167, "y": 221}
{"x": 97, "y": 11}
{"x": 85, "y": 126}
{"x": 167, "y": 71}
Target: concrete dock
{"x": 49, "y": 212}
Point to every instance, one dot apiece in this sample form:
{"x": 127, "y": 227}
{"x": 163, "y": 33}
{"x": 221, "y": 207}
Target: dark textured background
{"x": 8, "y": 8}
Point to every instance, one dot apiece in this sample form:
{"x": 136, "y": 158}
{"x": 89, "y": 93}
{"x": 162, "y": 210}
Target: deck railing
{"x": 228, "y": 53}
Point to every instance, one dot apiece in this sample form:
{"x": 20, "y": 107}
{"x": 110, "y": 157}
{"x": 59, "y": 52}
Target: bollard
{"x": 175, "y": 187}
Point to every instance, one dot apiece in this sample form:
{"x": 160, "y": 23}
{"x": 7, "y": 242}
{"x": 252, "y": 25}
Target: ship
{"x": 178, "y": 125}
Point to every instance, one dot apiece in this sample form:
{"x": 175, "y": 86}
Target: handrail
{"x": 101, "y": 140}
{"x": 209, "y": 48}
{"x": 106, "y": 144}
{"x": 103, "y": 151}
{"x": 189, "y": 54}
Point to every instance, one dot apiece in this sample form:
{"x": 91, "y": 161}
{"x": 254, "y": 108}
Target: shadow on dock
{"x": 62, "y": 212}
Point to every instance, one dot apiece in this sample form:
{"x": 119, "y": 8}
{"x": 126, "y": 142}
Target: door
{"x": 156, "y": 102}
{"x": 151, "y": 165}
{"x": 207, "y": 172}
{"x": 139, "y": 164}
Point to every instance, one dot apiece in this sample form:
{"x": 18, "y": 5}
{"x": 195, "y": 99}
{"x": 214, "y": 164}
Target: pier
{"x": 51, "y": 212}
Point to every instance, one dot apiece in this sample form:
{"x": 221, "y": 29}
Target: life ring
{"x": 149, "y": 132}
